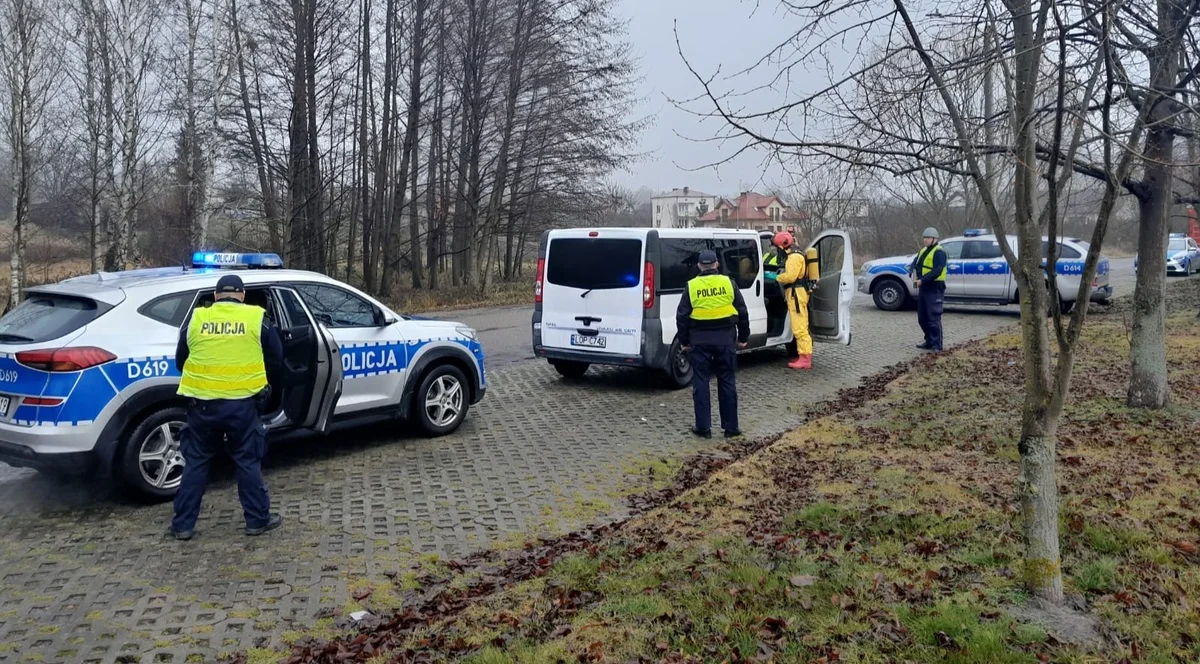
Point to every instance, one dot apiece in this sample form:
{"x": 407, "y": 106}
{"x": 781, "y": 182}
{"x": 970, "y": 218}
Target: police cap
{"x": 708, "y": 257}
{"x": 230, "y": 283}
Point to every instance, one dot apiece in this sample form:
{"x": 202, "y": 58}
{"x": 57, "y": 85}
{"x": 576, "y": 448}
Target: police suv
{"x": 977, "y": 273}
{"x": 88, "y": 378}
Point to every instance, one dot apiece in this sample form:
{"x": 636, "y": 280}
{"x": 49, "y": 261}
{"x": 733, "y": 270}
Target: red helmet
{"x": 783, "y": 240}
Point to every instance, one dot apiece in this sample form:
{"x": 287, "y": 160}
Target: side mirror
{"x": 324, "y": 319}
{"x": 383, "y": 319}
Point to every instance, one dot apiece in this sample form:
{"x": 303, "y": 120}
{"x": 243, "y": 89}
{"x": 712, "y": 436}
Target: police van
{"x": 88, "y": 377}
{"x": 977, "y": 273}
{"x": 608, "y": 295}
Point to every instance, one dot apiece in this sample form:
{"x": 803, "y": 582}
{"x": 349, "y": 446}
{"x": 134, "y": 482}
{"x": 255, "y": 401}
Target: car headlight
{"x": 468, "y": 332}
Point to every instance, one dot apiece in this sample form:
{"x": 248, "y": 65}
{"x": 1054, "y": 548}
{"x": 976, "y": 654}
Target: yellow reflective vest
{"x": 712, "y": 297}
{"x": 225, "y": 357}
{"x": 926, "y": 262}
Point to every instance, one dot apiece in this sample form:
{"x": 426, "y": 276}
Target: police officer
{"x": 227, "y": 353}
{"x": 929, "y": 268}
{"x": 713, "y": 323}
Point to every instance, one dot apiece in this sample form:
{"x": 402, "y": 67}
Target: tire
{"x": 570, "y": 368}
{"x": 149, "y": 465}
{"x": 447, "y": 385}
{"x": 678, "y": 371}
{"x": 889, "y": 295}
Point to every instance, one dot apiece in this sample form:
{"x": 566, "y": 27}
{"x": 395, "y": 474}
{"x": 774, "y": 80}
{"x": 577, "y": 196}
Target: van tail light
{"x": 537, "y": 285}
{"x": 648, "y": 287}
{"x": 65, "y": 359}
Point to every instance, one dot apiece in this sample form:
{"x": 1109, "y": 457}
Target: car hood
{"x": 432, "y": 324}
{"x": 889, "y": 261}
{"x": 1176, "y": 254}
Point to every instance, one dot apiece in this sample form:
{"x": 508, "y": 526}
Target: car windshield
{"x": 44, "y": 317}
{"x": 1177, "y": 245}
{"x": 594, "y": 263}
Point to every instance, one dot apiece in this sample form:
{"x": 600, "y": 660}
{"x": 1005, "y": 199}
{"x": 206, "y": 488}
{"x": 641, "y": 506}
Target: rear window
{"x": 44, "y": 317}
{"x": 595, "y": 263}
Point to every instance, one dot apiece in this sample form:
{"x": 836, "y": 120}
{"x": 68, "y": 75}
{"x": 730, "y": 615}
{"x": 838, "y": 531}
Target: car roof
{"x": 1012, "y": 238}
{"x": 112, "y": 287}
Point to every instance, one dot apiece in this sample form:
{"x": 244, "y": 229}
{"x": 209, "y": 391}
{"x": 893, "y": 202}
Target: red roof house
{"x": 753, "y": 211}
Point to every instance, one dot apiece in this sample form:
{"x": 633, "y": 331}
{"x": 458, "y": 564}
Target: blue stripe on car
{"x": 87, "y": 393}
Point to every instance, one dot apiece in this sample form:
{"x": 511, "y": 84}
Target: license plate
{"x": 592, "y": 342}
{"x": 3, "y": 406}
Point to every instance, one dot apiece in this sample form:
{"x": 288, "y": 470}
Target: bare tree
{"x": 1059, "y": 75}
{"x": 29, "y": 67}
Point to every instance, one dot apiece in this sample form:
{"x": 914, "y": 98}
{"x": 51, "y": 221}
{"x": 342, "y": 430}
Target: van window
{"x": 739, "y": 260}
{"x": 42, "y": 317}
{"x": 679, "y": 257}
{"x": 677, "y": 263}
{"x": 595, "y": 263}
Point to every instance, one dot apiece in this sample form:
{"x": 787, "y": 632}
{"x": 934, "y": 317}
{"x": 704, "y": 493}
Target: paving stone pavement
{"x": 88, "y": 577}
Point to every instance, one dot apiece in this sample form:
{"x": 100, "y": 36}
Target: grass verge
{"x": 885, "y": 530}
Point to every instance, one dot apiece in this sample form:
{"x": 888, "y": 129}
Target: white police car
{"x": 88, "y": 378}
{"x": 1183, "y": 255}
{"x": 977, "y": 273}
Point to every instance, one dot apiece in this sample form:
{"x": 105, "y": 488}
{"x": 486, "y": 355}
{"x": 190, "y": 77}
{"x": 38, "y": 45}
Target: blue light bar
{"x": 974, "y": 232}
{"x": 215, "y": 259}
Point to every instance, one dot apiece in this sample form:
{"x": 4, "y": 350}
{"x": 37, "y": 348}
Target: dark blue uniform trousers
{"x": 209, "y": 425}
{"x": 708, "y": 361}
{"x": 929, "y": 315}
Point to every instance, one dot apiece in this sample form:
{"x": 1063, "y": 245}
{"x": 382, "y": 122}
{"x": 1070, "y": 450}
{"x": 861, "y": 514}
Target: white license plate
{"x": 3, "y": 406}
{"x": 591, "y": 342}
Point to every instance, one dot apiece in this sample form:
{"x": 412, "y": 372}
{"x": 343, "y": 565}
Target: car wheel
{"x": 150, "y": 466}
{"x": 569, "y": 368}
{"x": 889, "y": 295}
{"x": 678, "y": 370}
{"x": 442, "y": 400}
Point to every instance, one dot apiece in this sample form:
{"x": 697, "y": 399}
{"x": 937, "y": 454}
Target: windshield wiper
{"x": 585, "y": 293}
{"x": 4, "y": 336}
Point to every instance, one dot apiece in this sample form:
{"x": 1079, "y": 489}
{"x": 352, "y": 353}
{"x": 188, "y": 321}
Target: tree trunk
{"x": 266, "y": 187}
{"x": 1148, "y": 352}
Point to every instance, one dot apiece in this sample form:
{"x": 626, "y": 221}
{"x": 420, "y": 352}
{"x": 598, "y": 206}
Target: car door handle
{"x": 757, "y": 288}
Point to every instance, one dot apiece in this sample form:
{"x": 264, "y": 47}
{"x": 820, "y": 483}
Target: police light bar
{"x": 202, "y": 259}
{"x": 974, "y": 232}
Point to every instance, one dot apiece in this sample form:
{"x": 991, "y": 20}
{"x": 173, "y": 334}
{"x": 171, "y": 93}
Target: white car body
{"x": 350, "y": 353}
{"x": 978, "y": 273}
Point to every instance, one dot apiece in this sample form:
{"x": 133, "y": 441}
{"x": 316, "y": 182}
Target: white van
{"x": 609, "y": 295}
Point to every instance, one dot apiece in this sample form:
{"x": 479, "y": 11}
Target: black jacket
{"x": 712, "y": 333}
{"x": 272, "y": 348}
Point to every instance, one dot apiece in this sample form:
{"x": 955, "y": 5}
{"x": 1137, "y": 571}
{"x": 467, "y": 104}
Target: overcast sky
{"x": 728, "y": 34}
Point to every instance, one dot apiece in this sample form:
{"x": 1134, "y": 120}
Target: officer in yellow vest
{"x": 227, "y": 353}
{"x": 712, "y": 324}
{"x": 929, "y": 268}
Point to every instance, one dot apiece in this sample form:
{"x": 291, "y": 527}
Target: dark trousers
{"x": 929, "y": 314}
{"x": 209, "y": 425}
{"x": 709, "y": 361}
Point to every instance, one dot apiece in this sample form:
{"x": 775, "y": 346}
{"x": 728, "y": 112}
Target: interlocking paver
{"x": 87, "y": 577}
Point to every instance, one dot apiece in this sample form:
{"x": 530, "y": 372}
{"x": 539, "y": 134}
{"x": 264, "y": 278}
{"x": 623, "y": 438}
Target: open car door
{"x": 312, "y": 366}
{"x": 829, "y": 303}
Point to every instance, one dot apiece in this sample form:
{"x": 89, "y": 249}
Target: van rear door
{"x": 829, "y": 303}
{"x": 593, "y": 291}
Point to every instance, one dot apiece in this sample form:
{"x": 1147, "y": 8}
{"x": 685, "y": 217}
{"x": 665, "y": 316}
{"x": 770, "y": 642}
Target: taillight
{"x": 537, "y": 286}
{"x": 65, "y": 359}
{"x": 41, "y": 401}
{"x": 648, "y": 286}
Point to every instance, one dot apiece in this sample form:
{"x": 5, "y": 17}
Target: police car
{"x": 1183, "y": 255}
{"x": 88, "y": 378}
{"x": 977, "y": 273}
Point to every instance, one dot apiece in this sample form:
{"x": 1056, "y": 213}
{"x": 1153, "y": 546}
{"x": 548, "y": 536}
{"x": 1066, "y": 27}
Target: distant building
{"x": 752, "y": 211}
{"x": 680, "y": 208}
